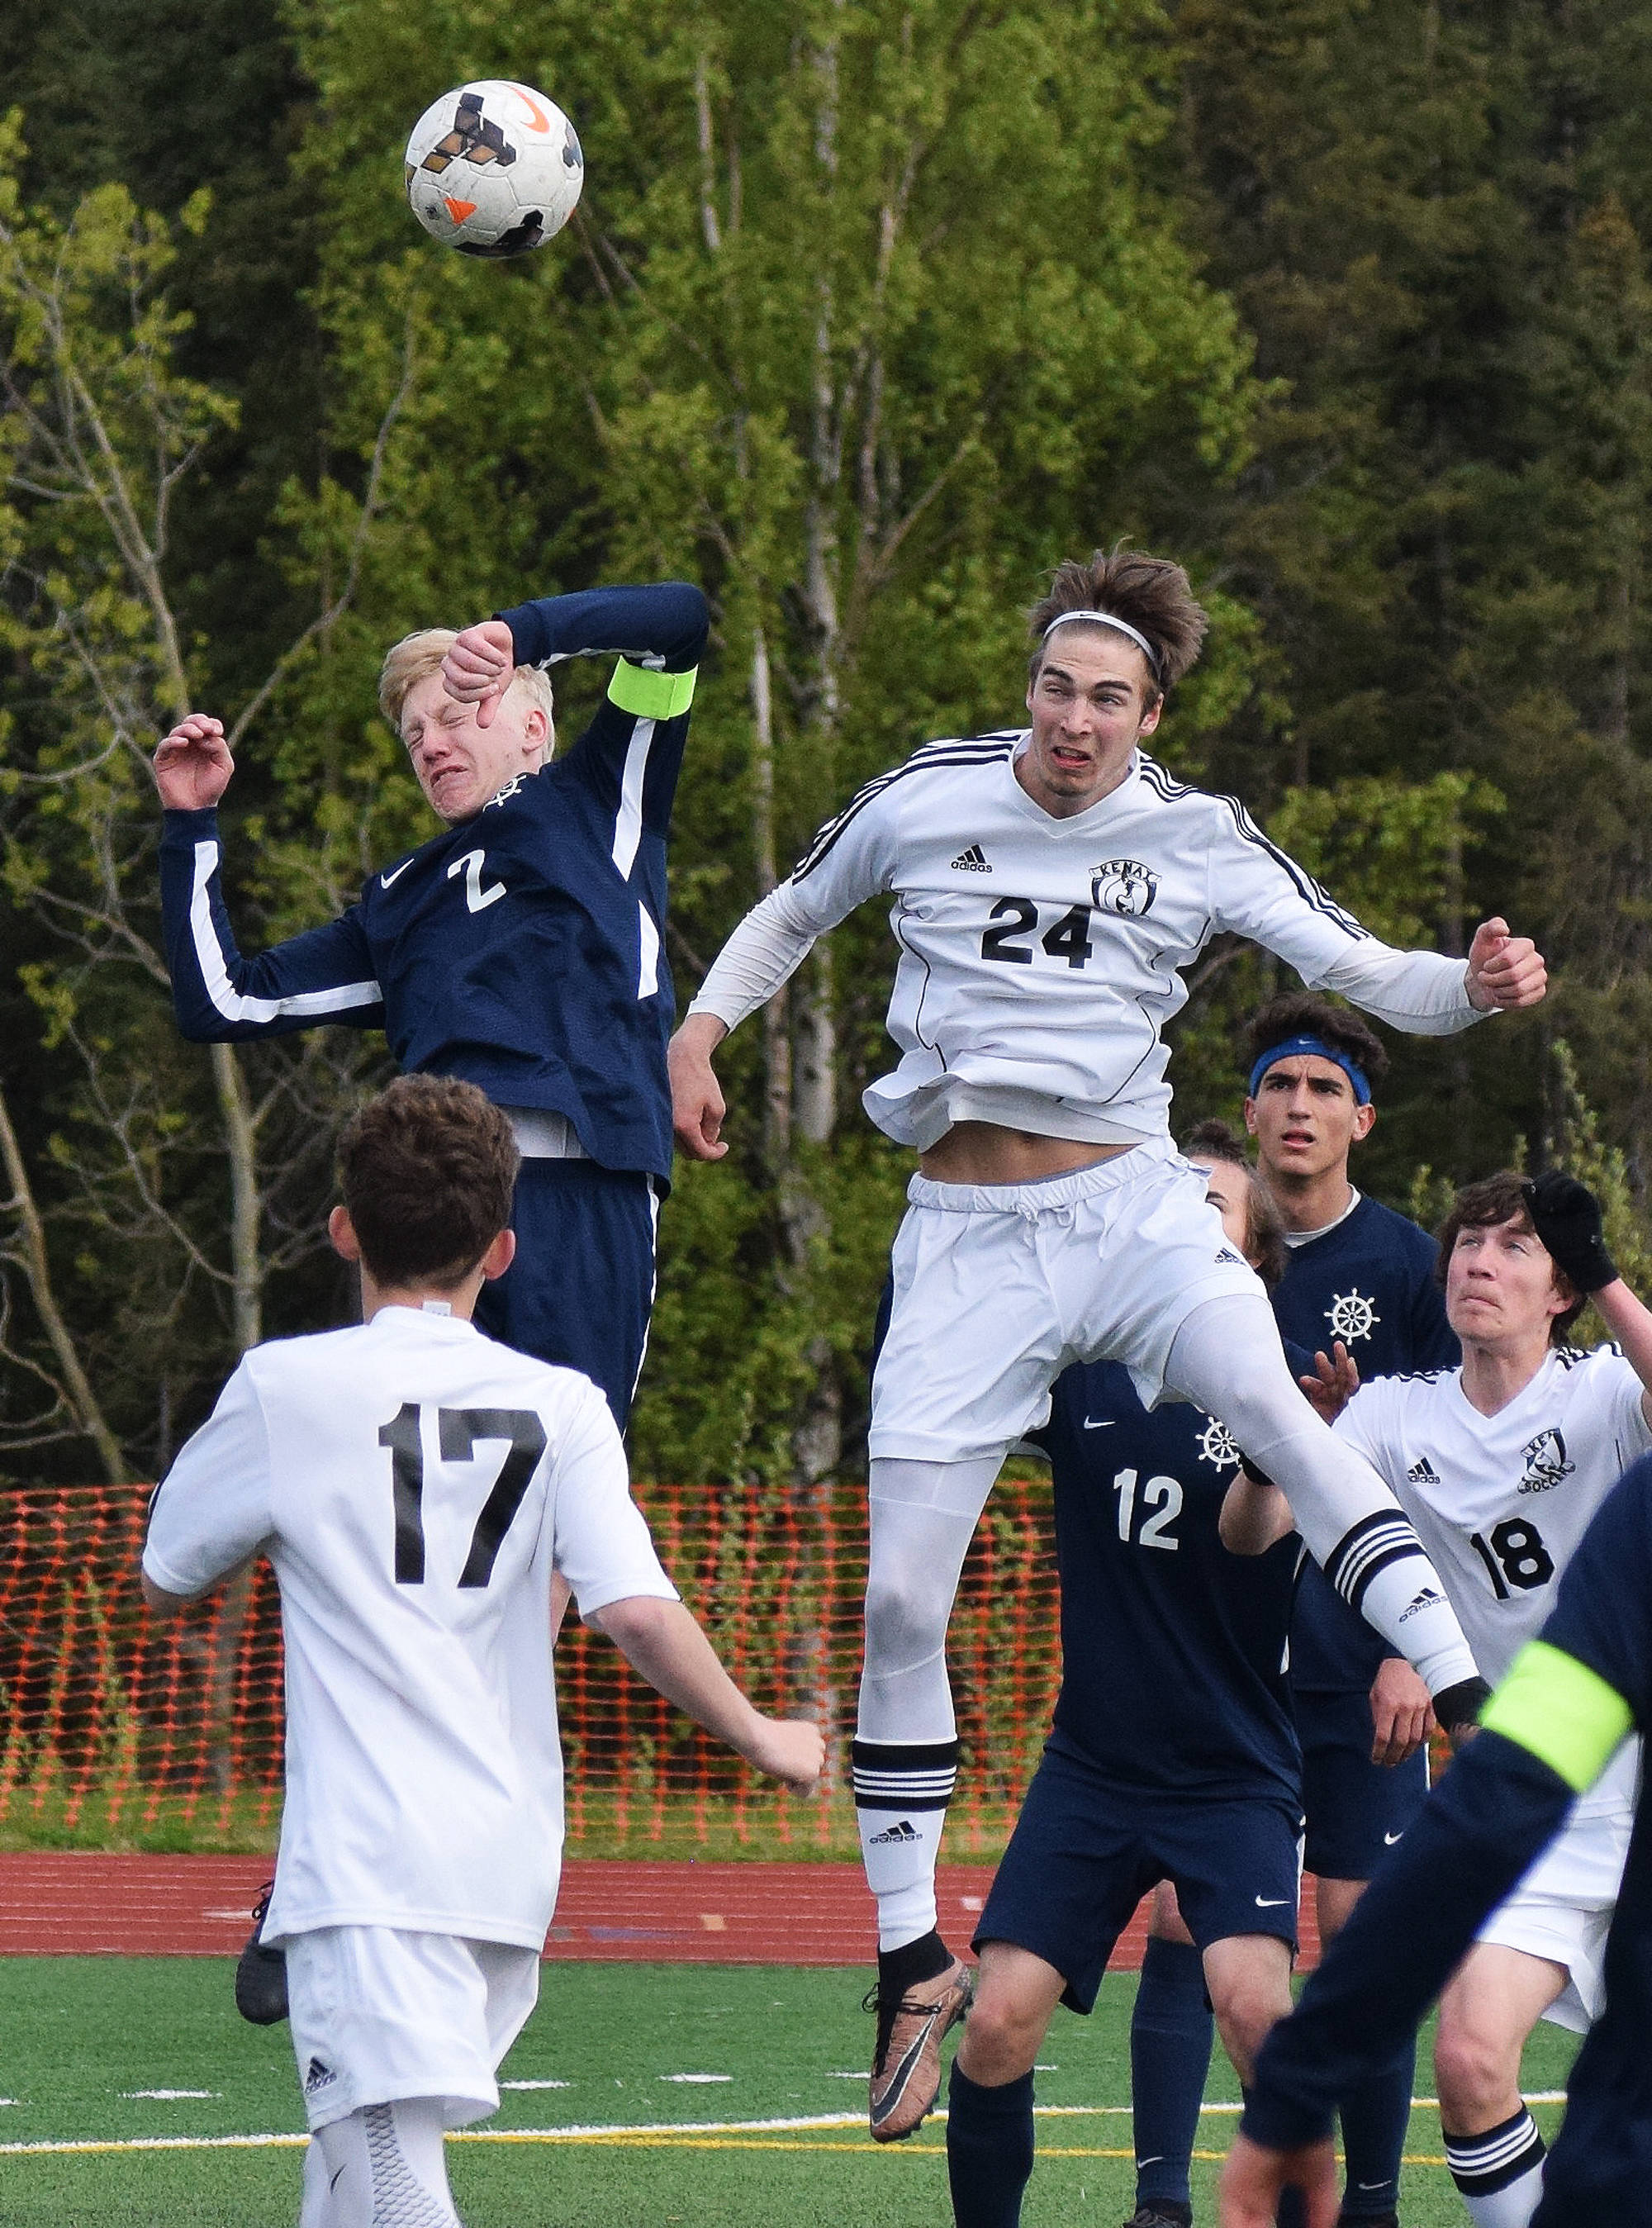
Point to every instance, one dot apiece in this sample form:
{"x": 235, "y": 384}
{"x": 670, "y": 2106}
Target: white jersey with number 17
{"x": 1501, "y": 1502}
{"x": 413, "y": 1484}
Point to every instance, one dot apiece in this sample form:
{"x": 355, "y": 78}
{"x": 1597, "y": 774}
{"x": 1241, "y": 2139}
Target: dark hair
{"x": 1152, "y": 594}
{"x": 1299, "y": 1014}
{"x": 427, "y": 1170}
{"x": 1499, "y": 1199}
{"x": 1264, "y": 1230}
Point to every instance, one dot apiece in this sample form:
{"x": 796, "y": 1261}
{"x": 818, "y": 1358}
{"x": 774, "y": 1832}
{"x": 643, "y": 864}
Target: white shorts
{"x": 379, "y": 2015}
{"x": 998, "y": 1287}
{"x": 1562, "y": 1910}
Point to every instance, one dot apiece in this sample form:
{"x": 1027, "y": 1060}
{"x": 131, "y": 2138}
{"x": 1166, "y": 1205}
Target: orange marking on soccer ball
{"x": 537, "y": 119}
{"x": 458, "y": 210}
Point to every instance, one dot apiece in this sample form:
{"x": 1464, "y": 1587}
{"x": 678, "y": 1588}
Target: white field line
{"x": 595, "y": 2131}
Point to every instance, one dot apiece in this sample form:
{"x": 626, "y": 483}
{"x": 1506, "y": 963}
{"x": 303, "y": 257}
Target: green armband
{"x": 1561, "y": 1712}
{"x": 651, "y": 695}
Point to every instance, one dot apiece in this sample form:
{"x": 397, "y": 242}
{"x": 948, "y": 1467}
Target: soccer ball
{"x": 493, "y": 168}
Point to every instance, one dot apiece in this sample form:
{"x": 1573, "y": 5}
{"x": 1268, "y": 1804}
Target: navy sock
{"x": 989, "y": 2149}
{"x": 1170, "y": 2036}
{"x": 1375, "y": 2116}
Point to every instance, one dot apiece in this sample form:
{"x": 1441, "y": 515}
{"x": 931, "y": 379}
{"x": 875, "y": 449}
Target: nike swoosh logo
{"x": 396, "y": 873}
{"x": 1388, "y": 1841}
{"x": 1271, "y": 1902}
{"x": 537, "y": 119}
{"x": 1105, "y": 1423}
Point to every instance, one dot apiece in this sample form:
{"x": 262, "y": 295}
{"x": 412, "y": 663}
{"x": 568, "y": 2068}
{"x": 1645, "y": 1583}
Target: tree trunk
{"x": 36, "y": 1263}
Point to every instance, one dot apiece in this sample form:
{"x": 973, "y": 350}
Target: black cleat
{"x": 1161, "y": 2212}
{"x": 261, "y": 1974}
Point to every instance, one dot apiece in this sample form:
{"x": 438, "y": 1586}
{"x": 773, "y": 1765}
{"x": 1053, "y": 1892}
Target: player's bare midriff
{"x": 987, "y": 1153}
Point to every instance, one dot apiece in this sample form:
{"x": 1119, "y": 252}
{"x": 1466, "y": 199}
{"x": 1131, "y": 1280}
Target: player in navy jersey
{"x": 520, "y": 948}
{"x": 1361, "y": 1277}
{"x": 1551, "y": 1728}
{"x": 1173, "y": 1755}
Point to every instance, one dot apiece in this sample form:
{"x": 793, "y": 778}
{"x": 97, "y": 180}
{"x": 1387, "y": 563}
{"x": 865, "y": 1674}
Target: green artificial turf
{"x": 79, "y": 2035}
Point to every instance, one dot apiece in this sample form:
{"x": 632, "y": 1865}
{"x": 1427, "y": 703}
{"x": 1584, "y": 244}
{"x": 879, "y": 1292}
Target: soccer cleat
{"x": 1166, "y": 2214}
{"x": 261, "y": 1974}
{"x": 906, "y": 2063}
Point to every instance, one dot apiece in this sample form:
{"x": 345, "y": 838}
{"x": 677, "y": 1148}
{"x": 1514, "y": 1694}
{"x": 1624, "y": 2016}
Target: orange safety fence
{"x": 115, "y": 1726}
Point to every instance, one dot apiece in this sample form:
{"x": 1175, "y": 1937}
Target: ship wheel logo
{"x": 1351, "y": 1316}
{"x": 1216, "y": 1446}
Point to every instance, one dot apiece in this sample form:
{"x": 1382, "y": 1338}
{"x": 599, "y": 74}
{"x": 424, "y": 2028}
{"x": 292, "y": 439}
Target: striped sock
{"x": 900, "y": 1797}
{"x": 1499, "y": 2174}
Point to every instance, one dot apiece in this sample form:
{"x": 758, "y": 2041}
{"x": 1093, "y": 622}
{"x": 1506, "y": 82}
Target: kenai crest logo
{"x": 1123, "y": 885}
{"x": 1545, "y": 1458}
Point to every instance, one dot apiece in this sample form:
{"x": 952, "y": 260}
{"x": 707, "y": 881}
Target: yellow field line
{"x": 708, "y": 2136}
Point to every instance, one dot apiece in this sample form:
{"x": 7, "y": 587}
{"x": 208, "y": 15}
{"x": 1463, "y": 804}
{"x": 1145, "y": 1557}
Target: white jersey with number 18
{"x": 1502, "y": 1502}
{"x": 413, "y": 1484}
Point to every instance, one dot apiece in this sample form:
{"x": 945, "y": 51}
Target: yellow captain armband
{"x": 649, "y": 695}
{"x": 1561, "y": 1711}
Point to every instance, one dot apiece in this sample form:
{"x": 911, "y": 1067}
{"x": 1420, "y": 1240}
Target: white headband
{"x": 1106, "y": 620}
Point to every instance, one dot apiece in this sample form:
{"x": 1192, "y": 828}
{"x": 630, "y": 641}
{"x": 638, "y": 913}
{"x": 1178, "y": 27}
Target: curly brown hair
{"x": 427, "y": 1170}
{"x": 1152, "y": 594}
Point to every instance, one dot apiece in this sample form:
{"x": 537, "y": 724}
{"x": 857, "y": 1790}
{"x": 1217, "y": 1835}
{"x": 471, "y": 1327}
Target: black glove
{"x": 1566, "y": 1216}
{"x": 1457, "y": 1709}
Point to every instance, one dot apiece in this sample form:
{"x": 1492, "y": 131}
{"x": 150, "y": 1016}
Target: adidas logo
{"x": 1228, "y": 1254}
{"x": 318, "y": 2077}
{"x": 1427, "y": 1600}
{"x": 1422, "y": 1472}
{"x": 973, "y": 861}
{"x": 904, "y": 1832}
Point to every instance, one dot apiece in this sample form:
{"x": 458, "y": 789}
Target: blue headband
{"x": 1294, "y": 1047}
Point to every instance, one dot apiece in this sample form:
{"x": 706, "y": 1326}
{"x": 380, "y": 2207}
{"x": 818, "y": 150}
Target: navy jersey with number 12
{"x": 1173, "y": 1650}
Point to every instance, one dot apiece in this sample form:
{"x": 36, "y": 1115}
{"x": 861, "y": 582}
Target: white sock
{"x": 923, "y": 1517}
{"x": 386, "y": 2167}
{"x": 1227, "y": 1358}
{"x": 1500, "y": 2174}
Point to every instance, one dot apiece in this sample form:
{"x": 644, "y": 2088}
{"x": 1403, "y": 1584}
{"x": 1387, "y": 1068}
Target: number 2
{"x": 457, "y": 1432}
{"x": 477, "y": 898}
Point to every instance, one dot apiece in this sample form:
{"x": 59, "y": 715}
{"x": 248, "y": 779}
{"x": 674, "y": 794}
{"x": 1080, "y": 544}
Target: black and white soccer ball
{"x": 494, "y": 169}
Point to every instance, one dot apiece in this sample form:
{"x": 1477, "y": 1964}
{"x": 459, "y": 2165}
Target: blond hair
{"x": 416, "y": 656}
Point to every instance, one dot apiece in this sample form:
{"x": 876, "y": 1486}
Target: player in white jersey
{"x": 1500, "y": 1465}
{"x": 415, "y": 1485}
{"x": 1049, "y": 884}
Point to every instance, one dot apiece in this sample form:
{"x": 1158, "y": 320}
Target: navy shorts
{"x": 1085, "y": 1851}
{"x": 1356, "y": 1811}
{"x": 580, "y": 1288}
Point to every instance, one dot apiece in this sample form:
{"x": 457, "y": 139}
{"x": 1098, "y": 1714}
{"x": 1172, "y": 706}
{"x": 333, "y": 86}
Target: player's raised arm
{"x": 1257, "y": 891}
{"x": 661, "y": 1640}
{"x": 192, "y": 766}
{"x": 850, "y": 859}
{"x": 1565, "y": 1214}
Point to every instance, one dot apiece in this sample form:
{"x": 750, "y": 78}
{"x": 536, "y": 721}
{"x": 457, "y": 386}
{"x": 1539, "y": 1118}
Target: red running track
{"x": 71, "y": 1903}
